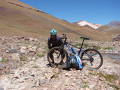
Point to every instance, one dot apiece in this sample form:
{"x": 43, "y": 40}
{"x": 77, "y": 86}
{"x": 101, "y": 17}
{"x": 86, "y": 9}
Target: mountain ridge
{"x": 17, "y": 17}
{"x": 114, "y": 23}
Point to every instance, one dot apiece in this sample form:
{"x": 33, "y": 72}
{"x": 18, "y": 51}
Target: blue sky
{"x": 95, "y": 11}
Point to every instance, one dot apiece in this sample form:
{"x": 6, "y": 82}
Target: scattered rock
{"x": 67, "y": 74}
{"x": 32, "y": 48}
{"x": 15, "y": 56}
{"x": 23, "y": 49}
{"x": 12, "y": 51}
{"x": 33, "y": 75}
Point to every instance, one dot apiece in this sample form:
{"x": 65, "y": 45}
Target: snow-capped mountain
{"x": 85, "y": 23}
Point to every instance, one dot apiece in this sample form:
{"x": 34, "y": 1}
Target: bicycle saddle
{"x": 85, "y": 38}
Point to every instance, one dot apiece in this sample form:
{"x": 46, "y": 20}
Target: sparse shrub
{"x": 108, "y": 48}
{"x": 4, "y": 60}
{"x": 108, "y": 77}
{"x": 96, "y": 47}
{"x": 40, "y": 55}
{"x": 35, "y": 66}
{"x": 92, "y": 73}
{"x": 114, "y": 86}
{"x": 85, "y": 85}
{"x": 23, "y": 58}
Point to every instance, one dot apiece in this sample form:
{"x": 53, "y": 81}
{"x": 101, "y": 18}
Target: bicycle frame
{"x": 80, "y": 49}
{"x": 66, "y": 44}
{"x": 72, "y": 50}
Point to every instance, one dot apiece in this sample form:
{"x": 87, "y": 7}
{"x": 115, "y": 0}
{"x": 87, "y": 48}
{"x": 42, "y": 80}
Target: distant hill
{"x": 17, "y": 18}
{"x": 111, "y": 28}
{"x": 114, "y": 24}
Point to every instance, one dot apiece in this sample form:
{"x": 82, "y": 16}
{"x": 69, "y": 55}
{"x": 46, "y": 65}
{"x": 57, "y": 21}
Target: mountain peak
{"x": 86, "y": 23}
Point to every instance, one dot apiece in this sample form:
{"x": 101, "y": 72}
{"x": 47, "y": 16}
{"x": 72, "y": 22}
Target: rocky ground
{"x": 23, "y": 66}
{"x": 16, "y": 51}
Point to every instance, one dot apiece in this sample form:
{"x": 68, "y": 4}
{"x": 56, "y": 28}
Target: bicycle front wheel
{"x": 57, "y": 56}
{"x": 93, "y": 58}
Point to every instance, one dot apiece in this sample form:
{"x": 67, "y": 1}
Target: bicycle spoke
{"x": 57, "y": 56}
{"x": 93, "y": 57}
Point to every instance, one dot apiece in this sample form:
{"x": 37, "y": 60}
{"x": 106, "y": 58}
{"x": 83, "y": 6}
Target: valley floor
{"x": 32, "y": 72}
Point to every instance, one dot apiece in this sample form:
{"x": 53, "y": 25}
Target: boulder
{"x": 23, "y": 49}
{"x": 32, "y": 48}
{"x": 12, "y": 51}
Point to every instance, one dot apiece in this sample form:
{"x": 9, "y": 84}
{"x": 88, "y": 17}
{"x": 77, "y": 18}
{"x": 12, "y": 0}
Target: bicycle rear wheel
{"x": 57, "y": 56}
{"x": 93, "y": 57}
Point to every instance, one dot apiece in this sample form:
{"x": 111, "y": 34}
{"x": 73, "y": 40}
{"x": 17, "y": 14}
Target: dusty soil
{"x": 32, "y": 73}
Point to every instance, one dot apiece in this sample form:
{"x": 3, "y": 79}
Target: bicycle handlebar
{"x": 85, "y": 38}
{"x": 64, "y": 37}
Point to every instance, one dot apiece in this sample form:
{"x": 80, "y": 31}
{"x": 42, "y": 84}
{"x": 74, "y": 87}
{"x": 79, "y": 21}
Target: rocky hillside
{"x": 23, "y": 66}
{"x": 17, "y": 18}
{"x": 113, "y": 28}
{"x": 114, "y": 24}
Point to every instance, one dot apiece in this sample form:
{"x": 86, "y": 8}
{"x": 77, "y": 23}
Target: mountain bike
{"x": 91, "y": 57}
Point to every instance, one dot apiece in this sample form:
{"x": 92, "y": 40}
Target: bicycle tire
{"x": 101, "y": 58}
{"x": 56, "y": 48}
